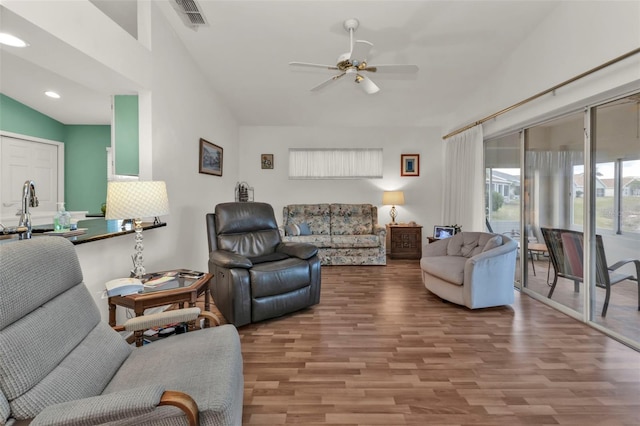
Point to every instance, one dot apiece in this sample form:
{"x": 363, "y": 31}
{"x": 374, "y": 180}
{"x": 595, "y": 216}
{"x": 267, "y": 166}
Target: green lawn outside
{"x": 507, "y": 212}
{"x": 604, "y": 213}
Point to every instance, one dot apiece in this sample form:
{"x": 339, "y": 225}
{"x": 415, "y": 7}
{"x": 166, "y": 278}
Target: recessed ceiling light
{"x": 11, "y": 40}
{"x": 52, "y": 94}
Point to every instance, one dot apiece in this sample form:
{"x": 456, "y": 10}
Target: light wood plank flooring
{"x": 381, "y": 350}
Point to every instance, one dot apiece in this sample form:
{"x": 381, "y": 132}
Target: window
{"x": 335, "y": 163}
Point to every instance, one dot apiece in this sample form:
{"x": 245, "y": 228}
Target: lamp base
{"x": 138, "y": 268}
{"x": 393, "y": 213}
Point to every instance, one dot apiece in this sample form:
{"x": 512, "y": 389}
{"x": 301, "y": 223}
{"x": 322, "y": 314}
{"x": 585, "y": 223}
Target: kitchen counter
{"x": 96, "y": 229}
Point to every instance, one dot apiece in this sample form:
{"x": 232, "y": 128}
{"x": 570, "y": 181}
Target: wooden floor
{"x": 622, "y": 315}
{"x": 380, "y": 350}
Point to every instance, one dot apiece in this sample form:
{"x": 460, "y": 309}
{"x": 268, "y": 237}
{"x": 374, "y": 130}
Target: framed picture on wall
{"x": 410, "y": 165}
{"x": 210, "y": 158}
{"x": 266, "y": 161}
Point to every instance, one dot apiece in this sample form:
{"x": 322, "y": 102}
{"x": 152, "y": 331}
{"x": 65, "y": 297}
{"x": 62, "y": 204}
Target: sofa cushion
{"x": 320, "y": 241}
{"x": 314, "y": 215}
{"x": 351, "y": 219}
{"x": 354, "y": 241}
{"x": 448, "y": 268}
{"x": 495, "y": 241}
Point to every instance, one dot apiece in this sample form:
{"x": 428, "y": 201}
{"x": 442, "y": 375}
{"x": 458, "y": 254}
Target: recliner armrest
{"x": 226, "y": 259}
{"x": 299, "y": 250}
{"x": 102, "y": 408}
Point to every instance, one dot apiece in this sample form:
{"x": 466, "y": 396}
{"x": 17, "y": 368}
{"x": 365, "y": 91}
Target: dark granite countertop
{"x": 96, "y": 229}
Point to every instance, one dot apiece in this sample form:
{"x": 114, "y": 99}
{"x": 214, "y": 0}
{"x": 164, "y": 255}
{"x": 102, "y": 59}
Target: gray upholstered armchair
{"x": 474, "y": 269}
{"x": 60, "y": 364}
{"x": 256, "y": 275}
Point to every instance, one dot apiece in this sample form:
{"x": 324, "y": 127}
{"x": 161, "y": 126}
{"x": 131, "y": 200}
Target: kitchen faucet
{"x": 29, "y": 199}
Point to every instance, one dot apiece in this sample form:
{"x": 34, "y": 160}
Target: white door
{"x": 23, "y": 160}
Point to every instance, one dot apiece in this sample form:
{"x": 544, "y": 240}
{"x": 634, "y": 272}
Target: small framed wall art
{"x": 210, "y": 158}
{"x": 410, "y": 165}
{"x": 266, "y": 161}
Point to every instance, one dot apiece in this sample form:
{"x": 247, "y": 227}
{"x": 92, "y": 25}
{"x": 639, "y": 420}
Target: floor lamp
{"x": 136, "y": 200}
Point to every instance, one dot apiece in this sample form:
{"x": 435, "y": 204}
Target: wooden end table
{"x": 405, "y": 241}
{"x": 181, "y": 290}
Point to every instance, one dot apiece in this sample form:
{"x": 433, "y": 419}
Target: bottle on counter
{"x": 62, "y": 219}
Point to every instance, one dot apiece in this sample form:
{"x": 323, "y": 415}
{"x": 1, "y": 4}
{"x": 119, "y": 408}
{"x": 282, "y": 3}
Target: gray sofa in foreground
{"x": 60, "y": 364}
{"x": 474, "y": 269}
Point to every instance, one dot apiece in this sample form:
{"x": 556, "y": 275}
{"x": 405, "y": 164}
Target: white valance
{"x": 335, "y": 163}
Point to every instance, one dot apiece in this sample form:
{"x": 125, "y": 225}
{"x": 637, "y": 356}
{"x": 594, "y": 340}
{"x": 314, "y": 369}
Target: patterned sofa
{"x": 345, "y": 234}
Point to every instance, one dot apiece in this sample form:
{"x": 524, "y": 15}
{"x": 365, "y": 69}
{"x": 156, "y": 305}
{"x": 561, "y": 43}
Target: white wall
{"x": 422, "y": 194}
{"x": 182, "y": 108}
{"x": 576, "y": 37}
{"x": 185, "y": 109}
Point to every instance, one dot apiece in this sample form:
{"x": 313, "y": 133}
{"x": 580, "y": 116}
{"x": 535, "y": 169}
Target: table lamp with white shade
{"x": 136, "y": 200}
{"x": 393, "y": 199}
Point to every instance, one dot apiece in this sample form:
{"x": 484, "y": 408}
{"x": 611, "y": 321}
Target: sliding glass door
{"x": 574, "y": 209}
{"x": 553, "y": 176}
{"x": 616, "y": 216}
{"x": 502, "y": 187}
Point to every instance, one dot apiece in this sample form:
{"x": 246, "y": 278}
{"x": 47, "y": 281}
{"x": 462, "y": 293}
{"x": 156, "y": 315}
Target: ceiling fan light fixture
{"x": 356, "y": 60}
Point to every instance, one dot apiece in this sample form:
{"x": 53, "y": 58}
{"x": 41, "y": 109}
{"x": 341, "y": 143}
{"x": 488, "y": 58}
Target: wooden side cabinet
{"x": 405, "y": 241}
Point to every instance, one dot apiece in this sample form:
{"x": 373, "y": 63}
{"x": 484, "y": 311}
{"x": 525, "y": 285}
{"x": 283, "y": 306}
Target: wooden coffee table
{"x": 181, "y": 290}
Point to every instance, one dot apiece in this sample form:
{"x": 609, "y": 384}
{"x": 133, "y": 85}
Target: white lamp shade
{"x": 136, "y": 199}
{"x": 393, "y": 198}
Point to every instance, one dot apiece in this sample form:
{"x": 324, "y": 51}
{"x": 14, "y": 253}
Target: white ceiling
{"x": 245, "y": 51}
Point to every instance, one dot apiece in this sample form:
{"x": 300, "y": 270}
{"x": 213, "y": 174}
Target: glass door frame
{"x": 589, "y": 224}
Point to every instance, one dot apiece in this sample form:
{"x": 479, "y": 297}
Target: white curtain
{"x": 464, "y": 180}
{"x": 551, "y": 184}
{"x": 335, "y": 163}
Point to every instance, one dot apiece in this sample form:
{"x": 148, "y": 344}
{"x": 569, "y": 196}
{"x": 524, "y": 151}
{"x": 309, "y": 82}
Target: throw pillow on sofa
{"x": 297, "y": 229}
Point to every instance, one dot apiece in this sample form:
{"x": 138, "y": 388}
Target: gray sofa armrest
{"x": 102, "y": 408}
{"x": 226, "y": 259}
{"x": 489, "y": 276}
{"x": 299, "y": 250}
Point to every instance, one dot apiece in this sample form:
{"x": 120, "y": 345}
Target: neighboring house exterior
{"x": 601, "y": 186}
{"x": 630, "y": 186}
{"x": 505, "y": 184}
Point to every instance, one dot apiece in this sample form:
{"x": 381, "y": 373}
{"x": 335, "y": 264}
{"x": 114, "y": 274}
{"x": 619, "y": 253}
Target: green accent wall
{"x": 125, "y": 116}
{"x": 18, "y": 118}
{"x": 86, "y": 167}
{"x": 85, "y": 151}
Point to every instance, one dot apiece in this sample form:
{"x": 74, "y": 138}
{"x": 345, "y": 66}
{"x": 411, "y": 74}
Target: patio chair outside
{"x": 566, "y": 252}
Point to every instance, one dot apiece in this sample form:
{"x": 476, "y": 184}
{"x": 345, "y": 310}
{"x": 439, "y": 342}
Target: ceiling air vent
{"x": 189, "y": 12}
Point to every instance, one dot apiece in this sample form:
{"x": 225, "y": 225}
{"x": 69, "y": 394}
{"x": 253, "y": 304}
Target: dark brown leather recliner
{"x": 256, "y": 276}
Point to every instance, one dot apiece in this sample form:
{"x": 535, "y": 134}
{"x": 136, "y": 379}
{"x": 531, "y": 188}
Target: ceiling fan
{"x": 354, "y": 63}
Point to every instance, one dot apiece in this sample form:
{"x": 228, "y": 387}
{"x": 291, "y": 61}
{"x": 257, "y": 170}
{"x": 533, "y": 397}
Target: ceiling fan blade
{"x": 367, "y": 85}
{"x": 310, "y": 65}
{"x": 326, "y": 83}
{"x": 360, "y": 51}
{"x": 406, "y": 69}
